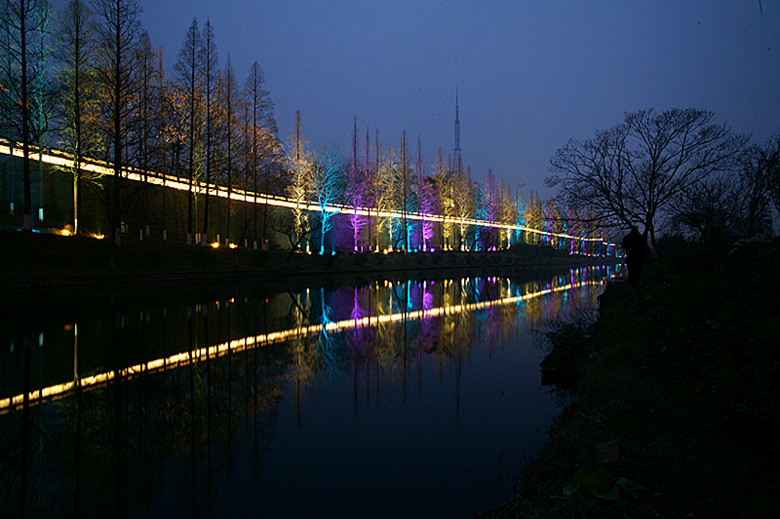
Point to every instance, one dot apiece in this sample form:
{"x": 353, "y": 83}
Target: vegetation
{"x": 678, "y": 378}
{"x": 89, "y": 81}
{"x": 630, "y": 175}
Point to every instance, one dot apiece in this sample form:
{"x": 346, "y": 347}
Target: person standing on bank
{"x": 636, "y": 249}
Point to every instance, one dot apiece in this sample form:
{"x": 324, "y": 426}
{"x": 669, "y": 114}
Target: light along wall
{"x": 62, "y": 159}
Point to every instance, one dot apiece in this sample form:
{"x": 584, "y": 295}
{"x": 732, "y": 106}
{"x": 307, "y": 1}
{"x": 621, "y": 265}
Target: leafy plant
{"x": 591, "y": 487}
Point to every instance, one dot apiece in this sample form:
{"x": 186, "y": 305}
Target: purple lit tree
{"x": 426, "y": 196}
{"x": 355, "y": 191}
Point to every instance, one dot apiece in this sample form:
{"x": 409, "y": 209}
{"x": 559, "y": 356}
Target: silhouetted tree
{"x": 630, "y": 174}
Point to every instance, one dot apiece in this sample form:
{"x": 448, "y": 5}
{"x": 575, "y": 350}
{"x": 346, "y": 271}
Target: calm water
{"x": 388, "y": 399}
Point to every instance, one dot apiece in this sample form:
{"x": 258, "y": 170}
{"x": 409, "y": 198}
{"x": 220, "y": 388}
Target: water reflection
{"x": 167, "y": 410}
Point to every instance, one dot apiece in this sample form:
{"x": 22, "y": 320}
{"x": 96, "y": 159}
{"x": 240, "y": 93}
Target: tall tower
{"x": 456, "y": 155}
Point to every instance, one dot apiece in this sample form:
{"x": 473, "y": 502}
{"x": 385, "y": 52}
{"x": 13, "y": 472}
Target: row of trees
{"x": 88, "y": 81}
{"x": 393, "y": 202}
{"x": 677, "y": 171}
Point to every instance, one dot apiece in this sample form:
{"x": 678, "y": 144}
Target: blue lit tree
{"x": 327, "y": 176}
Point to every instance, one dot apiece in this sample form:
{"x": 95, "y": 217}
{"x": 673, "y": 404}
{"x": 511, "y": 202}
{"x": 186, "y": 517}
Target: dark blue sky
{"x": 530, "y": 74}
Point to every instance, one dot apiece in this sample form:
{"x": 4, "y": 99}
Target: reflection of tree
{"x": 197, "y": 420}
{"x": 74, "y": 444}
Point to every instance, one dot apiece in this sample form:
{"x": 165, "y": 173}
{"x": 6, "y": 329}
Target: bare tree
{"x": 265, "y": 148}
{"x": 765, "y": 163}
{"x": 299, "y": 187}
{"x": 442, "y": 184}
{"x": 209, "y": 62}
{"x": 630, "y": 174}
{"x": 227, "y": 106}
{"x": 76, "y": 52}
{"x": 729, "y": 205}
{"x": 426, "y": 197}
{"x": 21, "y": 20}
{"x": 187, "y": 70}
{"x": 118, "y": 32}
{"x": 327, "y": 180}
{"x": 145, "y": 101}
{"x": 355, "y": 191}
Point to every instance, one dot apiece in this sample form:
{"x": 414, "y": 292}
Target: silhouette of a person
{"x": 635, "y": 246}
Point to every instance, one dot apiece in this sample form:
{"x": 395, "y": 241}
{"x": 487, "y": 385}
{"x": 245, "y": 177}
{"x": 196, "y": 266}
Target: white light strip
{"x": 65, "y": 160}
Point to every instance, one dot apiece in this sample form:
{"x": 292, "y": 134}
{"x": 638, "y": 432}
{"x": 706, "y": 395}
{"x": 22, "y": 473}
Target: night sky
{"x": 530, "y": 74}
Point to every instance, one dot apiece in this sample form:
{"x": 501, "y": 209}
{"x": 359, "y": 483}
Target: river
{"x": 384, "y": 398}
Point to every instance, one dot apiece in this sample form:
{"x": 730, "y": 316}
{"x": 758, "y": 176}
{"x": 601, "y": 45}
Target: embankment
{"x": 674, "y": 410}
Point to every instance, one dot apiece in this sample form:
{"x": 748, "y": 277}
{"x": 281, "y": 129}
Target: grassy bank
{"x": 674, "y": 409}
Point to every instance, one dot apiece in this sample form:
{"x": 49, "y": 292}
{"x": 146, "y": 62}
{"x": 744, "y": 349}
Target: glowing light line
{"x": 184, "y": 359}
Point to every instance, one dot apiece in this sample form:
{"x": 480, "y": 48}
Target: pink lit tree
{"x": 426, "y": 196}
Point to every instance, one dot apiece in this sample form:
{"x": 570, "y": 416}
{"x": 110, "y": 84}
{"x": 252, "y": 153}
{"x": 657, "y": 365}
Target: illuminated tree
{"x": 389, "y": 195}
{"x": 22, "y": 21}
{"x": 553, "y": 223}
{"x": 228, "y": 135}
{"x": 445, "y": 205}
{"x": 463, "y": 200}
{"x": 356, "y": 191}
{"x": 630, "y": 174}
{"x": 299, "y": 188}
{"x": 426, "y": 196}
{"x": 118, "y": 32}
{"x": 44, "y": 93}
{"x": 507, "y": 213}
{"x": 145, "y": 105}
{"x": 534, "y": 219}
{"x": 489, "y": 211}
{"x": 327, "y": 185}
{"x": 76, "y": 52}
{"x": 187, "y": 70}
{"x": 264, "y": 146}
{"x": 209, "y": 64}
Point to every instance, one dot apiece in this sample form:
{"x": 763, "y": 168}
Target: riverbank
{"x": 673, "y": 407}
{"x": 39, "y": 262}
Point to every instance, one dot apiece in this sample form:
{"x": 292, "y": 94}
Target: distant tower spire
{"x": 456, "y": 156}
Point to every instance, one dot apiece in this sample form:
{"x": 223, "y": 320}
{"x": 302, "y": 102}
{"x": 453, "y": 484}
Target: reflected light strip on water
{"x": 183, "y": 359}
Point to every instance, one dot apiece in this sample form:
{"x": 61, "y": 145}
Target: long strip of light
{"x": 65, "y": 160}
